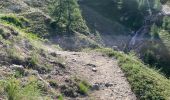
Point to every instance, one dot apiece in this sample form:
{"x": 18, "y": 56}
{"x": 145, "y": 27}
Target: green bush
{"x": 15, "y": 20}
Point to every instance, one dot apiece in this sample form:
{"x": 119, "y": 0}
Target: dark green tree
{"x": 68, "y": 16}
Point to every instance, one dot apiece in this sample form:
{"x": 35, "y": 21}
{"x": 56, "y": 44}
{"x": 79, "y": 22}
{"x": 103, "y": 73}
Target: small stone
{"x": 34, "y": 72}
{"x": 115, "y": 48}
{"x": 94, "y": 69}
{"x": 53, "y": 54}
{"x": 74, "y": 60}
{"x": 95, "y": 87}
{"x": 17, "y": 67}
{"x": 49, "y": 76}
{"x": 14, "y": 32}
{"x": 108, "y": 85}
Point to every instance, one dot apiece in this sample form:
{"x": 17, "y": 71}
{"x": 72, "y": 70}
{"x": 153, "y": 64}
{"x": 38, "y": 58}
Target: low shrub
{"x": 15, "y": 20}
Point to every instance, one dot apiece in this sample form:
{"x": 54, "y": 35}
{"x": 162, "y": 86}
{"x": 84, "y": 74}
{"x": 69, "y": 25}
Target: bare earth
{"x": 101, "y": 72}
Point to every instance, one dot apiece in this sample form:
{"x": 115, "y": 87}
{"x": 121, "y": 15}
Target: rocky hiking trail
{"x": 103, "y": 73}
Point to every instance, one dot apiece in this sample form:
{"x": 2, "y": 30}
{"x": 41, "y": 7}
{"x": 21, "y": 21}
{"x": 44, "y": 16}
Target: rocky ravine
{"x": 107, "y": 80}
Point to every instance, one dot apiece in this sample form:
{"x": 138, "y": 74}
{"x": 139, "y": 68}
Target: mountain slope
{"x": 34, "y": 67}
{"x": 64, "y": 68}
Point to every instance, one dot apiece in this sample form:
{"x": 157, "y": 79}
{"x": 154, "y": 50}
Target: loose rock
{"x": 94, "y": 69}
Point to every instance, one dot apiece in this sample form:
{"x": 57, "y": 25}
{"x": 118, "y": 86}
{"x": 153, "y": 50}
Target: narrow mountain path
{"x": 102, "y": 72}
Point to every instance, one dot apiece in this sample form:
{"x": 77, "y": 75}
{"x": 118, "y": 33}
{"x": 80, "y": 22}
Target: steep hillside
{"x": 42, "y": 22}
{"x": 29, "y": 65}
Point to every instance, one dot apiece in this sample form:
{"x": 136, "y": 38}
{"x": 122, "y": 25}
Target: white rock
{"x": 94, "y": 69}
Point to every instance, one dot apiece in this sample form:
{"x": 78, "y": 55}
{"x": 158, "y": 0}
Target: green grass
{"x": 147, "y": 83}
{"x": 60, "y": 97}
{"x": 15, "y": 91}
{"x": 83, "y": 88}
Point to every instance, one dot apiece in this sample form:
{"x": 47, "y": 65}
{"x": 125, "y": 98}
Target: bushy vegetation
{"x": 157, "y": 51}
{"x": 147, "y": 83}
{"x": 15, "y": 20}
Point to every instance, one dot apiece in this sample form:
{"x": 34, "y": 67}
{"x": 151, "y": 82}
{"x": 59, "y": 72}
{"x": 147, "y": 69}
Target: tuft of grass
{"x": 15, "y": 91}
{"x": 18, "y": 74}
{"x": 84, "y": 87}
{"x": 60, "y": 97}
{"x": 14, "y": 55}
{"x": 147, "y": 83}
{"x": 33, "y": 60}
{"x": 11, "y": 89}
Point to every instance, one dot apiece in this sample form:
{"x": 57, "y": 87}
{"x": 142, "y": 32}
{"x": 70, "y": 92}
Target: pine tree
{"x": 68, "y": 16}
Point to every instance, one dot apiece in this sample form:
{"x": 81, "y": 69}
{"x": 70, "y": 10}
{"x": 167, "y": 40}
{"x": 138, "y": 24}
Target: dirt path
{"x": 102, "y": 73}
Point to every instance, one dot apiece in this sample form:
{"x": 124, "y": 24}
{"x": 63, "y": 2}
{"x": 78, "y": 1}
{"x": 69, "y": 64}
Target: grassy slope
{"x": 147, "y": 83}
{"x": 25, "y": 49}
